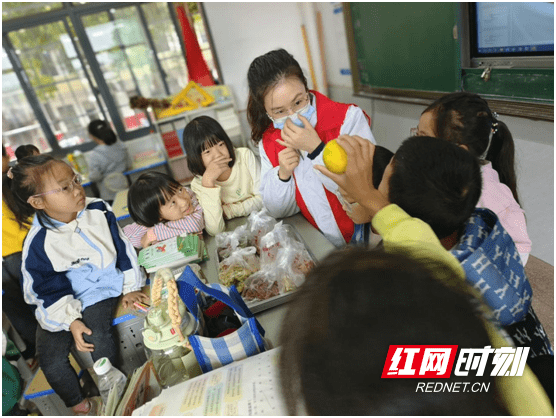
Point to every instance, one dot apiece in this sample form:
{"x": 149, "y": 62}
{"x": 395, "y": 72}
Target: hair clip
{"x": 494, "y": 126}
{"x": 10, "y": 174}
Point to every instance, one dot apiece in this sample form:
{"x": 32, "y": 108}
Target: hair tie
{"x": 494, "y": 123}
{"x": 10, "y": 174}
{"x": 493, "y": 130}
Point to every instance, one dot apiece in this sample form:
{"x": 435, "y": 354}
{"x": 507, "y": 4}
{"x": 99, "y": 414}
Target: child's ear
{"x": 36, "y": 202}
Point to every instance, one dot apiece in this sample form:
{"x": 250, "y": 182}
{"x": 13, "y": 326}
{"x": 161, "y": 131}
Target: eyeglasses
{"x": 75, "y": 181}
{"x": 297, "y": 106}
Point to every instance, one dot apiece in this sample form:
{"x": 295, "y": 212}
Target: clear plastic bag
{"x": 292, "y": 262}
{"x": 241, "y": 264}
{"x": 226, "y": 242}
{"x": 259, "y": 224}
{"x": 261, "y": 285}
{"x": 278, "y": 238}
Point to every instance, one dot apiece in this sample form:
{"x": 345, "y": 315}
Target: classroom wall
{"x": 243, "y": 31}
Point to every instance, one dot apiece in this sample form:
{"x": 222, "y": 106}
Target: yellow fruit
{"x": 334, "y": 157}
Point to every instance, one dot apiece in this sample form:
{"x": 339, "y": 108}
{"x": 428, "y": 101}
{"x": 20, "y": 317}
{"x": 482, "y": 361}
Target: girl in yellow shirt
{"x": 13, "y": 233}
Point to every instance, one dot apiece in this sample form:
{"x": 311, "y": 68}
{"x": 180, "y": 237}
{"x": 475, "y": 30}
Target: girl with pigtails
{"x": 76, "y": 263}
{"x": 466, "y": 120}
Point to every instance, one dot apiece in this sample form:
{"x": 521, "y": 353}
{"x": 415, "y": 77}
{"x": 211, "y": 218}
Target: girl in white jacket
{"x": 76, "y": 264}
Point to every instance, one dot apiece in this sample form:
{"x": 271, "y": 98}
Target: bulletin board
{"x": 411, "y": 52}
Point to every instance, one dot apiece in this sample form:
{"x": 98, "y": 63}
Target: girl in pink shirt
{"x": 162, "y": 208}
{"x": 466, "y": 119}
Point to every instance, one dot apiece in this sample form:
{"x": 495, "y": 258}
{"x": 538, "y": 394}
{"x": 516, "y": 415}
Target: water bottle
{"x": 108, "y": 376}
{"x": 81, "y": 163}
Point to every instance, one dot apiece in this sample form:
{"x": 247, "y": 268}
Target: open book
{"x": 246, "y": 387}
{"x": 142, "y": 386}
{"x": 173, "y": 252}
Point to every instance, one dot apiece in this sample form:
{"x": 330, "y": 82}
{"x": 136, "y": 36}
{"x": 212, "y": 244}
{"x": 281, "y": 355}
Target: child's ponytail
{"x": 466, "y": 119}
{"x": 21, "y": 213}
{"x": 101, "y": 129}
{"x": 501, "y": 154}
{"x": 26, "y": 180}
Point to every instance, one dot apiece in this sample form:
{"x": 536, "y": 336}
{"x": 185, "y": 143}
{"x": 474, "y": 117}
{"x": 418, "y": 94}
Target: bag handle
{"x": 188, "y": 282}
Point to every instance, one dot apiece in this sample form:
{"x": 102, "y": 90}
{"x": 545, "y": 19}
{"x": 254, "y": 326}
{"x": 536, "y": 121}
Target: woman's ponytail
{"x": 501, "y": 153}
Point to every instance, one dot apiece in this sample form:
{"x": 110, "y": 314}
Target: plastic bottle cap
{"x": 156, "y": 317}
{"x": 102, "y": 366}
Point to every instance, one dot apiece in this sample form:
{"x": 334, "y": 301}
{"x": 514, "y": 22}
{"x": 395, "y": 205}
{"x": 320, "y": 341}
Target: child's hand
{"x": 77, "y": 329}
{"x": 214, "y": 170}
{"x": 358, "y": 214}
{"x": 130, "y": 298}
{"x": 357, "y": 181}
{"x": 345, "y": 196}
{"x": 146, "y": 241}
{"x": 288, "y": 159}
{"x": 306, "y": 138}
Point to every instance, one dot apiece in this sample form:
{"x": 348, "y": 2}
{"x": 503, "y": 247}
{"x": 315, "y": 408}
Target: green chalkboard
{"x": 412, "y": 52}
{"x": 405, "y": 45}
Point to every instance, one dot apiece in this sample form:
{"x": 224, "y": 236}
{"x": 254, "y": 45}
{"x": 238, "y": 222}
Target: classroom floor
{"x": 541, "y": 276}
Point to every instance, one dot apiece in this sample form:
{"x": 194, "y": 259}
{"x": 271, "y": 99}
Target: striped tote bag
{"x": 212, "y": 353}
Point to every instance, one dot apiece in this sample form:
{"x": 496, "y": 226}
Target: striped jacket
{"x": 191, "y": 224}
{"x": 75, "y": 265}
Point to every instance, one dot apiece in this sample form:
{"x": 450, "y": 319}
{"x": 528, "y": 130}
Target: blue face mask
{"x": 306, "y": 112}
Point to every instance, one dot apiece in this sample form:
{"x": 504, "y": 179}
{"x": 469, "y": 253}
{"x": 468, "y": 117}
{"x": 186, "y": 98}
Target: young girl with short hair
{"x": 466, "y": 120}
{"x": 162, "y": 208}
{"x": 76, "y": 263}
{"x": 292, "y": 124}
{"x": 227, "y": 179}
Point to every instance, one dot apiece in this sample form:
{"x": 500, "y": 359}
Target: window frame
{"x": 91, "y": 67}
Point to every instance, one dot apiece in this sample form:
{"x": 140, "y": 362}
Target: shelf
{"x": 179, "y": 157}
{"x": 194, "y": 112}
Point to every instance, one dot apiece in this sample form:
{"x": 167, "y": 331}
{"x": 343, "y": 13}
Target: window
{"x": 19, "y": 124}
{"x": 56, "y": 80}
{"x": 14, "y": 10}
{"x": 167, "y": 45}
{"x": 66, "y": 64}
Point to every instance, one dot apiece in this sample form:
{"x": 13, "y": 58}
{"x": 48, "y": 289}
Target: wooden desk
{"x": 145, "y": 165}
{"x": 119, "y": 206}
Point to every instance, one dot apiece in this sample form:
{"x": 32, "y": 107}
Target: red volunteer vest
{"x": 331, "y": 116}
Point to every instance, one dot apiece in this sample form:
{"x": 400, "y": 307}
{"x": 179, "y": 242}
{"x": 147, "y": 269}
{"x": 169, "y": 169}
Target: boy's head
{"x": 341, "y": 322}
{"x": 381, "y": 159}
{"x": 435, "y": 181}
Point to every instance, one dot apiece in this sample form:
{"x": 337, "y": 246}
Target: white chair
{"x": 115, "y": 182}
